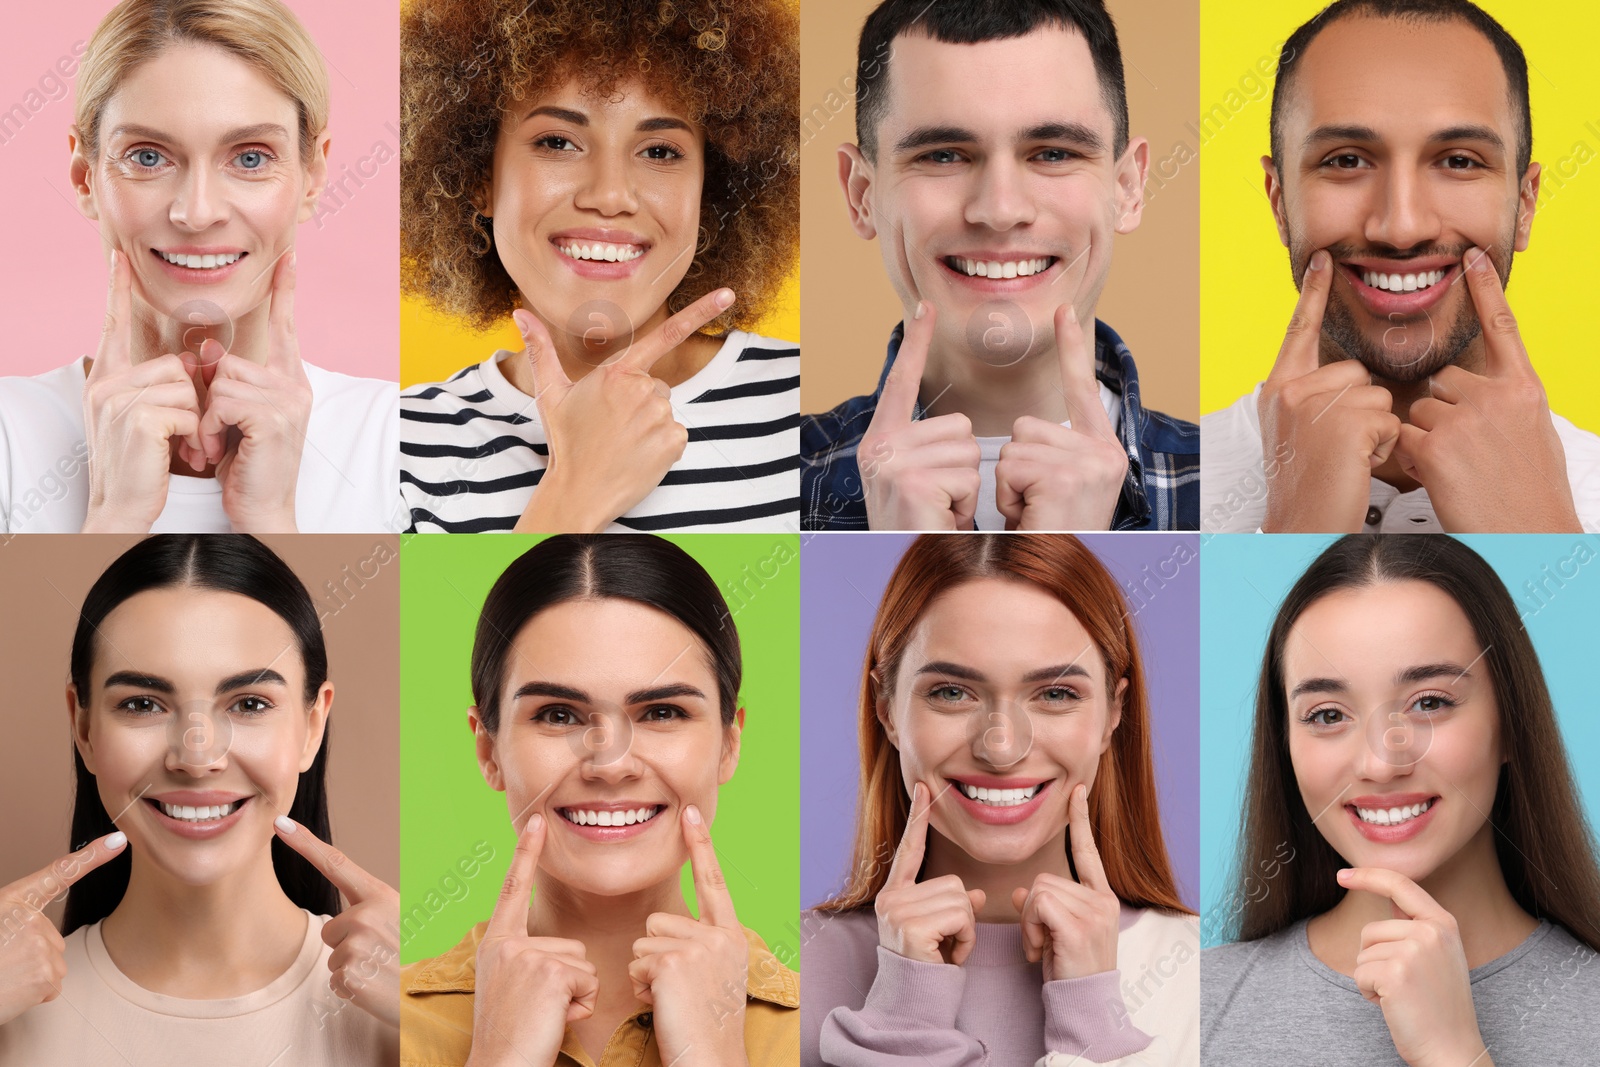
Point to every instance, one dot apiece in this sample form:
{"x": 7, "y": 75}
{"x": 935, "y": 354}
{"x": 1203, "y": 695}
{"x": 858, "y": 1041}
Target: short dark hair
{"x": 646, "y": 569}
{"x": 1510, "y": 53}
{"x": 973, "y": 21}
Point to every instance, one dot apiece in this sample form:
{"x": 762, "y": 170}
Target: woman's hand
{"x": 1071, "y": 927}
{"x": 612, "y": 435}
{"x": 528, "y": 988}
{"x": 33, "y": 956}
{"x": 365, "y": 937}
{"x": 693, "y": 972}
{"x": 1414, "y": 968}
{"x": 933, "y": 921}
{"x": 130, "y": 414}
{"x": 254, "y": 425}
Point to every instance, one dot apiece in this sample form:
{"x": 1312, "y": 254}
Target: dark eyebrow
{"x": 578, "y": 118}
{"x": 1052, "y": 674}
{"x": 246, "y": 679}
{"x": 1420, "y": 673}
{"x": 1072, "y": 132}
{"x": 140, "y": 680}
{"x": 665, "y": 692}
{"x": 1362, "y": 134}
{"x": 1368, "y": 135}
{"x": 923, "y": 136}
{"x": 1043, "y": 674}
{"x": 241, "y": 133}
{"x": 1485, "y": 134}
{"x": 578, "y": 696}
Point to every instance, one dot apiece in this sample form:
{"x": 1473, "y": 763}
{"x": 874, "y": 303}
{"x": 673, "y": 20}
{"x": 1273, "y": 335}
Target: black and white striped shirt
{"x": 472, "y": 448}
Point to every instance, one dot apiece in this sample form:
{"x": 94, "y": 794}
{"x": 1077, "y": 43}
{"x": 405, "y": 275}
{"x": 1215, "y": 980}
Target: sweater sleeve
{"x": 1086, "y": 1017}
{"x": 909, "y": 1018}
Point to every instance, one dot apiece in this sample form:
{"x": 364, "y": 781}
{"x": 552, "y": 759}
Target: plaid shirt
{"x": 1162, "y": 490}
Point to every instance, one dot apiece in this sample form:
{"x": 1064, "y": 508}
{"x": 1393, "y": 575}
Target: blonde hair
{"x": 263, "y": 33}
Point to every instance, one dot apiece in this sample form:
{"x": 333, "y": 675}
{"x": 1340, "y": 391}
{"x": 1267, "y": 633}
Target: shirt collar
{"x": 766, "y": 977}
{"x": 1113, "y": 366}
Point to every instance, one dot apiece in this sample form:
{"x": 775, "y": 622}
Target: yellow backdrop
{"x": 1246, "y": 294}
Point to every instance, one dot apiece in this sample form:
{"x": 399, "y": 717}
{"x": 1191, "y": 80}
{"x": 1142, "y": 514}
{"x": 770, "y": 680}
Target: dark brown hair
{"x": 1543, "y": 842}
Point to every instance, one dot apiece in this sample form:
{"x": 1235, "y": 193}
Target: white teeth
{"x": 607, "y": 252}
{"x": 1390, "y": 816}
{"x": 179, "y": 259}
{"x": 1000, "y": 798}
{"x": 585, "y": 817}
{"x": 205, "y": 813}
{"x": 1402, "y": 283}
{"x": 1012, "y": 268}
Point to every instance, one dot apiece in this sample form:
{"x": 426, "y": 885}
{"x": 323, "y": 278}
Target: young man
{"x": 993, "y": 168}
{"x": 1402, "y": 398}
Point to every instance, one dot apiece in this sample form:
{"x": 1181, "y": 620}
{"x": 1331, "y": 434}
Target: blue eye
{"x": 148, "y": 158}
{"x": 252, "y": 160}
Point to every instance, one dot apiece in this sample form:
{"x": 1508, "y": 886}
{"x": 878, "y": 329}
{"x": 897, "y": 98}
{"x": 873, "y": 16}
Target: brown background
{"x": 1152, "y": 297}
{"x": 43, "y": 579}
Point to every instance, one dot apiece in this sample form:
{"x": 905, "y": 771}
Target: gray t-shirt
{"x": 1272, "y": 1001}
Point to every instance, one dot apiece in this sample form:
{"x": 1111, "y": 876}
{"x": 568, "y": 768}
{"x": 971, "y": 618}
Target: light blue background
{"x": 1243, "y": 579}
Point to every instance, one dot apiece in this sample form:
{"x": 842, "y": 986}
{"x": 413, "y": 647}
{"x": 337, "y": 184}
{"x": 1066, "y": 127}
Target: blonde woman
{"x": 199, "y": 144}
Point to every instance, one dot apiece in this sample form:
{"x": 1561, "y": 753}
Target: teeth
{"x": 1402, "y": 283}
{"x": 584, "y": 817}
{"x": 1000, "y": 798}
{"x": 609, "y": 253}
{"x": 199, "y": 262}
{"x": 1013, "y": 268}
{"x": 207, "y": 813}
{"x": 1390, "y": 816}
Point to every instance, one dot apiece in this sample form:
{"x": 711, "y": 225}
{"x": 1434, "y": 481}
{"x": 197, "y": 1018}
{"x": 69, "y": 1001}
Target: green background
{"x": 450, "y": 818}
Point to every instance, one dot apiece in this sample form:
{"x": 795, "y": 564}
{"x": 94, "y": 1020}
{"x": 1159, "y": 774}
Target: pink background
{"x": 347, "y": 298}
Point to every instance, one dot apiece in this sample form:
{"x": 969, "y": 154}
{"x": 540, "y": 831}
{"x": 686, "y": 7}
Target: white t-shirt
{"x": 104, "y": 1019}
{"x": 988, "y": 515}
{"x": 349, "y": 465}
{"x": 473, "y": 447}
{"x": 1233, "y": 481}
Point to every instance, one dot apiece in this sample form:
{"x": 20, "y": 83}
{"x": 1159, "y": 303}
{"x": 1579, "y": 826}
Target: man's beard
{"x": 1407, "y": 351}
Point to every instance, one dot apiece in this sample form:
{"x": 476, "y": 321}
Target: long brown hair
{"x": 1122, "y": 807}
{"x": 1543, "y": 842}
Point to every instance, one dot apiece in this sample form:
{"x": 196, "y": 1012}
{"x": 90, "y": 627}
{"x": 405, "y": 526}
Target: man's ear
{"x": 1527, "y": 201}
{"x": 320, "y": 709}
{"x": 317, "y": 172}
{"x": 1275, "y": 198}
{"x": 79, "y": 172}
{"x": 855, "y": 178}
{"x": 78, "y": 718}
{"x": 730, "y": 748}
{"x": 488, "y": 758}
{"x": 1132, "y": 171}
{"x": 1114, "y": 713}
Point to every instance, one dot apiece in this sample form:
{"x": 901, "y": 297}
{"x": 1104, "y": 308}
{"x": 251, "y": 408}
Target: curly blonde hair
{"x": 733, "y": 65}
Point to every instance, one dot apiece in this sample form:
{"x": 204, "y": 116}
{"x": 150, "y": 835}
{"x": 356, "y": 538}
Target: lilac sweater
{"x": 864, "y": 1006}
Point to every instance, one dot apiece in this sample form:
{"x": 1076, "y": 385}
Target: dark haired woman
{"x": 199, "y": 700}
{"x": 622, "y": 181}
{"x": 606, "y": 678}
{"x": 1010, "y": 899}
{"x": 1425, "y": 888}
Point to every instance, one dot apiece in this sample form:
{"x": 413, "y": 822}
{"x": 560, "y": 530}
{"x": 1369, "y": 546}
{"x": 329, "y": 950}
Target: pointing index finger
{"x": 44, "y": 885}
{"x": 283, "y": 349}
{"x": 1078, "y": 383}
{"x": 1504, "y": 352}
{"x": 643, "y": 353}
{"x": 898, "y": 401}
{"x": 1302, "y": 340}
{"x": 908, "y": 857}
{"x": 510, "y": 918}
{"x": 115, "y": 349}
{"x": 355, "y": 883}
{"x": 1085, "y": 854}
{"x": 710, "y": 888}
{"x": 1407, "y": 895}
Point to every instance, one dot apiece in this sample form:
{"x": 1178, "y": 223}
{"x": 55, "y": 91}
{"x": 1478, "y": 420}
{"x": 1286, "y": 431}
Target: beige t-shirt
{"x": 102, "y": 1019}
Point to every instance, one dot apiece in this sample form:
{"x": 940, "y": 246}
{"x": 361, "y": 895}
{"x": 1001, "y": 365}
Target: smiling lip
{"x": 1397, "y": 832}
{"x": 198, "y": 831}
{"x": 606, "y": 834}
{"x": 1386, "y": 305}
{"x": 1000, "y": 816}
{"x": 1001, "y": 285}
{"x": 600, "y": 269}
{"x": 199, "y": 275}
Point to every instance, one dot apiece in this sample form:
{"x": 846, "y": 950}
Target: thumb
{"x": 978, "y": 897}
{"x": 548, "y": 374}
{"x": 1019, "y": 897}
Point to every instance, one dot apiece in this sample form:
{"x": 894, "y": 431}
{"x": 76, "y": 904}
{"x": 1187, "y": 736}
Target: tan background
{"x": 43, "y": 579}
{"x": 1153, "y": 295}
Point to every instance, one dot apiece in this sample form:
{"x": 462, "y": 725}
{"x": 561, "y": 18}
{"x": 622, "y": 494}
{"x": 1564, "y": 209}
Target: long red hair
{"x": 1122, "y": 807}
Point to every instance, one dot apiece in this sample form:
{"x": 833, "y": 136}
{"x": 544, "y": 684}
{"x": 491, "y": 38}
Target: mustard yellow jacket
{"x": 436, "y": 1014}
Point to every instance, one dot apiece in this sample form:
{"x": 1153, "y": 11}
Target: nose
{"x": 607, "y": 186}
{"x": 1002, "y": 198}
{"x": 607, "y": 748}
{"x": 199, "y": 203}
{"x": 198, "y": 743}
{"x": 1000, "y": 735}
{"x": 1404, "y": 214}
{"x": 1392, "y": 745}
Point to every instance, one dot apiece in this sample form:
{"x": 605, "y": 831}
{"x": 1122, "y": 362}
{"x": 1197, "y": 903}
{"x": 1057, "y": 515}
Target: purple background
{"x": 842, "y": 576}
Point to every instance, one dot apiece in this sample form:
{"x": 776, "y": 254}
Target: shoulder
{"x": 62, "y": 387}
{"x": 755, "y": 349}
{"x": 1226, "y": 964}
{"x": 465, "y": 386}
{"x": 344, "y": 388}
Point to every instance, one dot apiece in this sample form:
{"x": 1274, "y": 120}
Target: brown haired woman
{"x": 621, "y": 180}
{"x": 1005, "y": 749}
{"x": 1426, "y": 887}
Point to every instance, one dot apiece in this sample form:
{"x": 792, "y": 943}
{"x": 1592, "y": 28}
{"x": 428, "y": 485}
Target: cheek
{"x": 269, "y": 758}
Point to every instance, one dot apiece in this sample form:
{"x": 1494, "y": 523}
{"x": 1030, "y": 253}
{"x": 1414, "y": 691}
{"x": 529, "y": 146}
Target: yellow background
{"x": 1246, "y": 293}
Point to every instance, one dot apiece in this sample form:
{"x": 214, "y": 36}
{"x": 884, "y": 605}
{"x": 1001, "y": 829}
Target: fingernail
{"x": 724, "y": 298}
{"x": 1478, "y": 258}
{"x": 294, "y": 259}
{"x": 921, "y": 307}
{"x": 520, "y": 318}
{"x": 535, "y": 821}
{"x": 284, "y": 823}
{"x": 1344, "y": 874}
{"x": 1072, "y": 315}
{"x": 1319, "y": 260}
{"x": 116, "y": 840}
{"x": 693, "y": 814}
